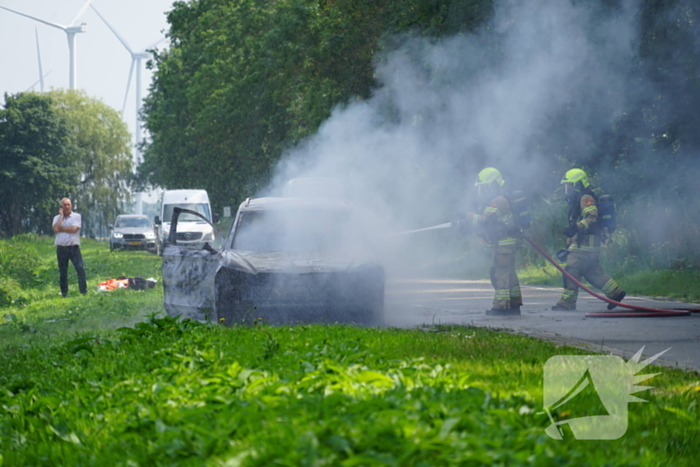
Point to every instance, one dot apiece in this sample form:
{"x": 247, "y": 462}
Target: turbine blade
{"x": 114, "y": 31}
{"x": 152, "y": 46}
{"x": 38, "y": 54}
{"x": 80, "y": 12}
{"x": 31, "y": 88}
{"x": 48, "y": 23}
{"x": 128, "y": 84}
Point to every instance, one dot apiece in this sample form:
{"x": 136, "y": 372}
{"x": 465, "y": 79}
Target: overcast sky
{"x": 102, "y": 61}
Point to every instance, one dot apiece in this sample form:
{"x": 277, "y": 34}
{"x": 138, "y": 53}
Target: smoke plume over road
{"x": 532, "y": 91}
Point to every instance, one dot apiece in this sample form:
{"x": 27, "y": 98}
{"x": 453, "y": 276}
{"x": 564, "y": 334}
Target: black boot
{"x": 618, "y": 298}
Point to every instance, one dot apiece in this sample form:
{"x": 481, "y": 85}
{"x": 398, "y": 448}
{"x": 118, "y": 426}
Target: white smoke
{"x": 446, "y": 109}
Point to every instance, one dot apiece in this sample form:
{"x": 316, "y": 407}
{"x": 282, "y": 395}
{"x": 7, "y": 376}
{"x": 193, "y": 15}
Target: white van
{"x": 191, "y": 230}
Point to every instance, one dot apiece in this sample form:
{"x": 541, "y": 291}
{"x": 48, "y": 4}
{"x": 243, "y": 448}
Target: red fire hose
{"x": 641, "y": 312}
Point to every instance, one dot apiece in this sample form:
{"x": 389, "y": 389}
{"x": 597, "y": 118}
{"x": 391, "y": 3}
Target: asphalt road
{"x": 417, "y": 302}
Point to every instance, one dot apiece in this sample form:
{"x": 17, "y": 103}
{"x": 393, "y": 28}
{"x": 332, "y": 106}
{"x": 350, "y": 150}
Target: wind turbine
{"x": 38, "y": 56}
{"x": 41, "y": 72}
{"x": 136, "y": 58}
{"x": 71, "y": 30}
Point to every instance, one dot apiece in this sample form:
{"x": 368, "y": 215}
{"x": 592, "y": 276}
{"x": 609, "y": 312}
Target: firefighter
{"x": 584, "y": 237}
{"x": 498, "y": 227}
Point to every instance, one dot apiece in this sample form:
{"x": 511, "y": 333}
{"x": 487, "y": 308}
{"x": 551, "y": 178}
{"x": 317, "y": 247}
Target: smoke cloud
{"x": 541, "y": 76}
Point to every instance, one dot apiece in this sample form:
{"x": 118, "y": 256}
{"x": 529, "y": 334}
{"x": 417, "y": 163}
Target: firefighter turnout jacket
{"x": 497, "y": 222}
{"x": 585, "y": 214}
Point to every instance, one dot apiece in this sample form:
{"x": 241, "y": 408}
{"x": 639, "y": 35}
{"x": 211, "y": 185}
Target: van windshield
{"x": 201, "y": 208}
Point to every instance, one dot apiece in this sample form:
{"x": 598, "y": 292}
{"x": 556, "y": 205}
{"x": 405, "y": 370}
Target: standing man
{"x": 498, "y": 227}
{"x": 67, "y": 225}
{"x": 584, "y": 237}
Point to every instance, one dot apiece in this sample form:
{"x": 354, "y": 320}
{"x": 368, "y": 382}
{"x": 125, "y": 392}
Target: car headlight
{"x": 150, "y": 235}
{"x": 117, "y": 234}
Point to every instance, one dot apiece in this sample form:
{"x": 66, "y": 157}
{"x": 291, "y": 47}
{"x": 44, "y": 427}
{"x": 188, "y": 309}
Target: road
{"x": 416, "y": 302}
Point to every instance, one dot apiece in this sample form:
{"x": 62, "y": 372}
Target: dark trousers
{"x": 586, "y": 264}
{"x": 72, "y": 253}
{"x": 504, "y": 279}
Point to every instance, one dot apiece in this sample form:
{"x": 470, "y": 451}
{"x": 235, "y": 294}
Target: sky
{"x": 102, "y": 61}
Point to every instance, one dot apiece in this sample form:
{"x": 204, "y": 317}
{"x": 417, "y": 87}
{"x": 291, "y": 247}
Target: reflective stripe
{"x": 589, "y": 249}
{"x": 589, "y": 209}
{"x": 508, "y": 241}
{"x": 610, "y": 287}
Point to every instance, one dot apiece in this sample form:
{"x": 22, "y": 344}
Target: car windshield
{"x": 296, "y": 231}
{"x": 133, "y": 222}
{"x": 201, "y": 208}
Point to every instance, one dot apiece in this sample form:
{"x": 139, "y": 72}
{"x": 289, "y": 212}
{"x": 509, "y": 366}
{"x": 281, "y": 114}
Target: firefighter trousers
{"x": 586, "y": 264}
{"x": 504, "y": 279}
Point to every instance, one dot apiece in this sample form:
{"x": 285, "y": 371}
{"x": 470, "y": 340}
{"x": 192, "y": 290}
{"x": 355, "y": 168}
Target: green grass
{"x": 546, "y": 275}
{"x": 40, "y": 311}
{"x": 104, "y": 380}
{"x": 178, "y": 393}
{"x": 679, "y": 284}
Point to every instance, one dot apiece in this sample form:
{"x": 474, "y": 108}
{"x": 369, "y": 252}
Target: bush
{"x": 10, "y": 291}
{"x": 19, "y": 261}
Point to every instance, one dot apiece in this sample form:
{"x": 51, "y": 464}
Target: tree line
{"x": 61, "y": 144}
{"x": 245, "y": 80}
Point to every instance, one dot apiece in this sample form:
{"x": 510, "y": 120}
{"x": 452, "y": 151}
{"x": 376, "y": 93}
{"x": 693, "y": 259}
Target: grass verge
{"x": 105, "y": 380}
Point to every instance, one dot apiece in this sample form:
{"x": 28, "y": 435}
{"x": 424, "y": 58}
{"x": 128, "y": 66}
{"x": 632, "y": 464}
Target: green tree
{"x": 38, "y": 163}
{"x": 245, "y": 79}
{"x": 102, "y": 146}
{"x": 58, "y": 144}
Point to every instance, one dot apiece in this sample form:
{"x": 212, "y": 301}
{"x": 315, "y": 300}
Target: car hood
{"x": 133, "y": 230}
{"x": 254, "y": 262}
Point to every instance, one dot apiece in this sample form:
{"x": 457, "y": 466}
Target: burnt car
{"x": 285, "y": 261}
{"x": 133, "y": 232}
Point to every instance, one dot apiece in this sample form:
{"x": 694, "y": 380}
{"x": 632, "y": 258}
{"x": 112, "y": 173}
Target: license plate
{"x": 134, "y": 243}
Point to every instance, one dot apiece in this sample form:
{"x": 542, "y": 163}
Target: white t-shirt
{"x": 65, "y": 238}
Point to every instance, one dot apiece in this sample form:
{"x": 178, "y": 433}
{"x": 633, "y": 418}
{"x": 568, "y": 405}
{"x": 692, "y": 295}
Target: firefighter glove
{"x": 570, "y": 231}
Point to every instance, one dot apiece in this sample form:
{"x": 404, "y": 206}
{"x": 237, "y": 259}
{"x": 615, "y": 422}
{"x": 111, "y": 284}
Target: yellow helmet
{"x": 488, "y": 176}
{"x": 574, "y": 181}
{"x": 575, "y": 176}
